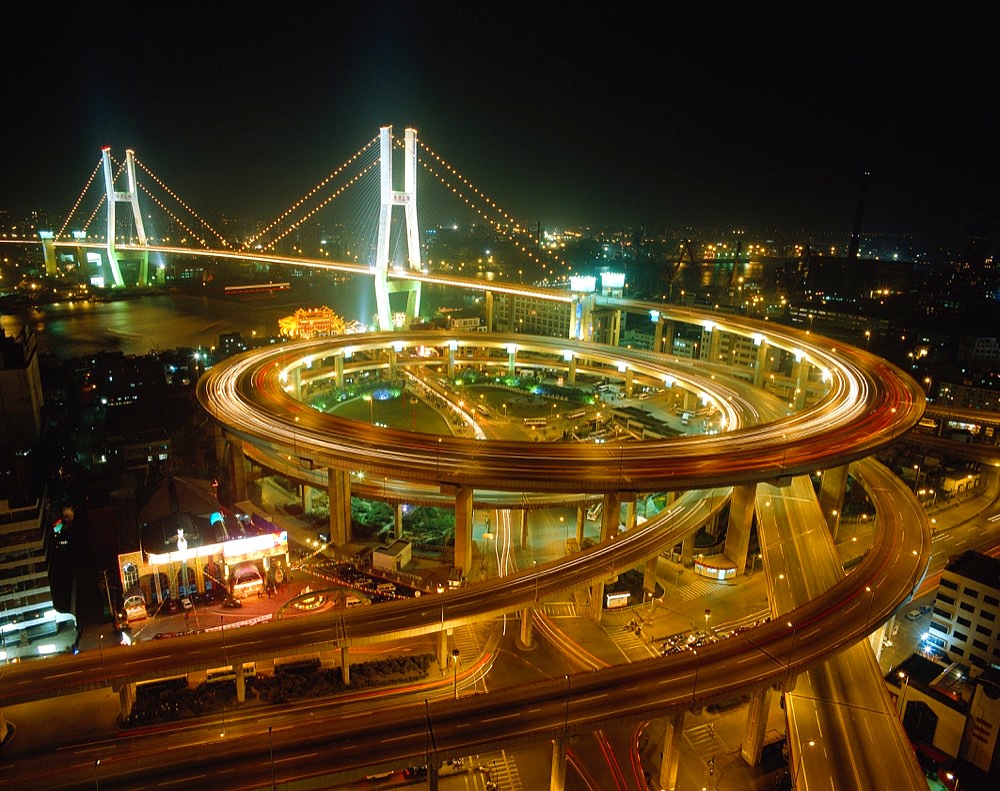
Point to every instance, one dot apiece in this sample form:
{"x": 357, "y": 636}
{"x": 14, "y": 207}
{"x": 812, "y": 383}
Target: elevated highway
{"x": 867, "y": 405}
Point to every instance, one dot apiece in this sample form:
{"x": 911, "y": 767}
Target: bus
{"x": 576, "y": 413}
{"x": 536, "y": 422}
{"x": 219, "y": 674}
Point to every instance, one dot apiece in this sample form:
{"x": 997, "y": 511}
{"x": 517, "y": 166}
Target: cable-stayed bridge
{"x": 362, "y": 218}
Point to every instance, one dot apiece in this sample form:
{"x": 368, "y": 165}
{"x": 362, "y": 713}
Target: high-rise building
{"x": 29, "y": 622}
{"x": 965, "y": 621}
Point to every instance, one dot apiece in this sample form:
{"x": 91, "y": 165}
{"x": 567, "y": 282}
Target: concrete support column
{"x": 463, "y": 529}
{"x": 527, "y": 615}
{"x": 610, "y": 515}
{"x": 571, "y": 372}
{"x": 756, "y": 726}
{"x": 511, "y": 361}
{"x": 741, "y": 508}
{"x": 433, "y": 769}
{"x": 241, "y": 682}
{"x": 760, "y": 366}
{"x": 237, "y": 469}
{"x": 443, "y": 651}
{"x": 126, "y": 699}
{"x": 523, "y": 530}
{"x": 339, "y": 493}
{"x": 670, "y": 760}
{"x": 629, "y": 383}
{"x": 307, "y": 498}
{"x": 687, "y": 550}
{"x": 803, "y": 367}
{"x": 630, "y": 514}
{"x": 714, "y": 344}
{"x": 557, "y": 779}
{"x": 393, "y": 367}
{"x": 615, "y": 328}
{"x": 338, "y": 367}
{"x": 581, "y": 516}
{"x": 451, "y": 361}
{"x": 489, "y": 311}
{"x": 397, "y": 522}
{"x": 649, "y": 576}
{"x": 831, "y": 496}
{"x": 596, "y": 601}
{"x": 658, "y": 335}
{"x": 220, "y": 444}
{"x": 669, "y": 330}
{"x": 297, "y": 382}
{"x": 345, "y": 665}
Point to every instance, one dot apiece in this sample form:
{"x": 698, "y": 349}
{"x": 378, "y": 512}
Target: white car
{"x": 912, "y": 615}
{"x": 186, "y": 604}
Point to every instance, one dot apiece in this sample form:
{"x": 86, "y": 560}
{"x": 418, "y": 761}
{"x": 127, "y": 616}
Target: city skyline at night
{"x": 737, "y": 121}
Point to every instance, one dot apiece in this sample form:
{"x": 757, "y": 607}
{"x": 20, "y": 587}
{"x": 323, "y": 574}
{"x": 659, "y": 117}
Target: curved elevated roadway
{"x": 869, "y": 402}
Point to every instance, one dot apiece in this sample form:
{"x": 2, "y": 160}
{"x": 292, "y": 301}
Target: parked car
{"x": 232, "y": 603}
{"x": 187, "y": 604}
{"x": 912, "y": 615}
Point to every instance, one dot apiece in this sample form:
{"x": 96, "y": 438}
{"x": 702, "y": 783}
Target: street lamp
{"x": 371, "y": 409}
{"x": 798, "y": 766}
{"x": 902, "y": 697}
{"x": 97, "y": 783}
{"x": 916, "y": 477}
{"x": 270, "y": 750}
{"x": 100, "y": 651}
{"x": 708, "y": 614}
{"x": 951, "y": 777}
{"x": 454, "y": 660}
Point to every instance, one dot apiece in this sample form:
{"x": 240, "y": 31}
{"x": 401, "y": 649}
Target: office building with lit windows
{"x": 964, "y": 625}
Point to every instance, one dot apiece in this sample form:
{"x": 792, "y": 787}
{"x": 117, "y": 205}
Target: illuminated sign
{"x": 612, "y": 280}
{"x": 581, "y": 283}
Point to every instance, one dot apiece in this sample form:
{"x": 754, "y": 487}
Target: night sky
{"x": 566, "y": 117}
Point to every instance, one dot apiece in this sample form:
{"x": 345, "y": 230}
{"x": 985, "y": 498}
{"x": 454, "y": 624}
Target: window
{"x": 979, "y": 644}
{"x": 961, "y": 636}
{"x": 990, "y": 600}
{"x": 937, "y": 627}
{"x": 957, "y": 651}
{"x": 964, "y": 621}
{"x": 967, "y": 607}
{"x": 984, "y": 630}
{"x": 950, "y": 584}
{"x": 943, "y": 613}
{"x": 946, "y": 599}
{"x": 972, "y": 592}
{"x": 987, "y": 616}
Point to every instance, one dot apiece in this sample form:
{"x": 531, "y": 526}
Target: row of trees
{"x": 176, "y": 702}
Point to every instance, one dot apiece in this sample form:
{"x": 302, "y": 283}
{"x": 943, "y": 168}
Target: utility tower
{"x": 408, "y": 200}
{"x": 131, "y": 197}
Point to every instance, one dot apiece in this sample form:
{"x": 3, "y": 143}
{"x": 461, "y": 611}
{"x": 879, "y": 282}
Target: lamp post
{"x": 697, "y": 667}
{"x": 950, "y": 776}
{"x": 708, "y": 614}
{"x": 97, "y": 782}
{"x": 902, "y": 697}
{"x": 916, "y": 477}
{"x": 371, "y": 409}
{"x": 100, "y": 651}
{"x": 454, "y": 661}
{"x": 270, "y": 750}
{"x": 798, "y": 765}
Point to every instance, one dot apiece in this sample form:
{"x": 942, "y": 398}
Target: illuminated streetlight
{"x": 798, "y": 766}
{"x": 371, "y": 409}
{"x": 97, "y": 784}
{"x": 902, "y": 697}
{"x": 454, "y": 659}
{"x": 100, "y": 651}
{"x": 708, "y": 614}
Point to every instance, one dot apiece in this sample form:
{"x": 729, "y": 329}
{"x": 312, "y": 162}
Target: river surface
{"x": 174, "y": 321}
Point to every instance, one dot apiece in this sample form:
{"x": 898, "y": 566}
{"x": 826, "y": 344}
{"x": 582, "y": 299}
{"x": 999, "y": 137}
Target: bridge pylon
{"x": 408, "y": 200}
{"x": 130, "y": 197}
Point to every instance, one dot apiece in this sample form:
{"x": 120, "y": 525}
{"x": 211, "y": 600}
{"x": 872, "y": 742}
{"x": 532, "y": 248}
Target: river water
{"x": 172, "y": 321}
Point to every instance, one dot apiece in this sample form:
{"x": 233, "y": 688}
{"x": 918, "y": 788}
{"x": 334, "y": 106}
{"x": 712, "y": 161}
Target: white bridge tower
{"x": 131, "y": 197}
{"x": 408, "y": 200}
